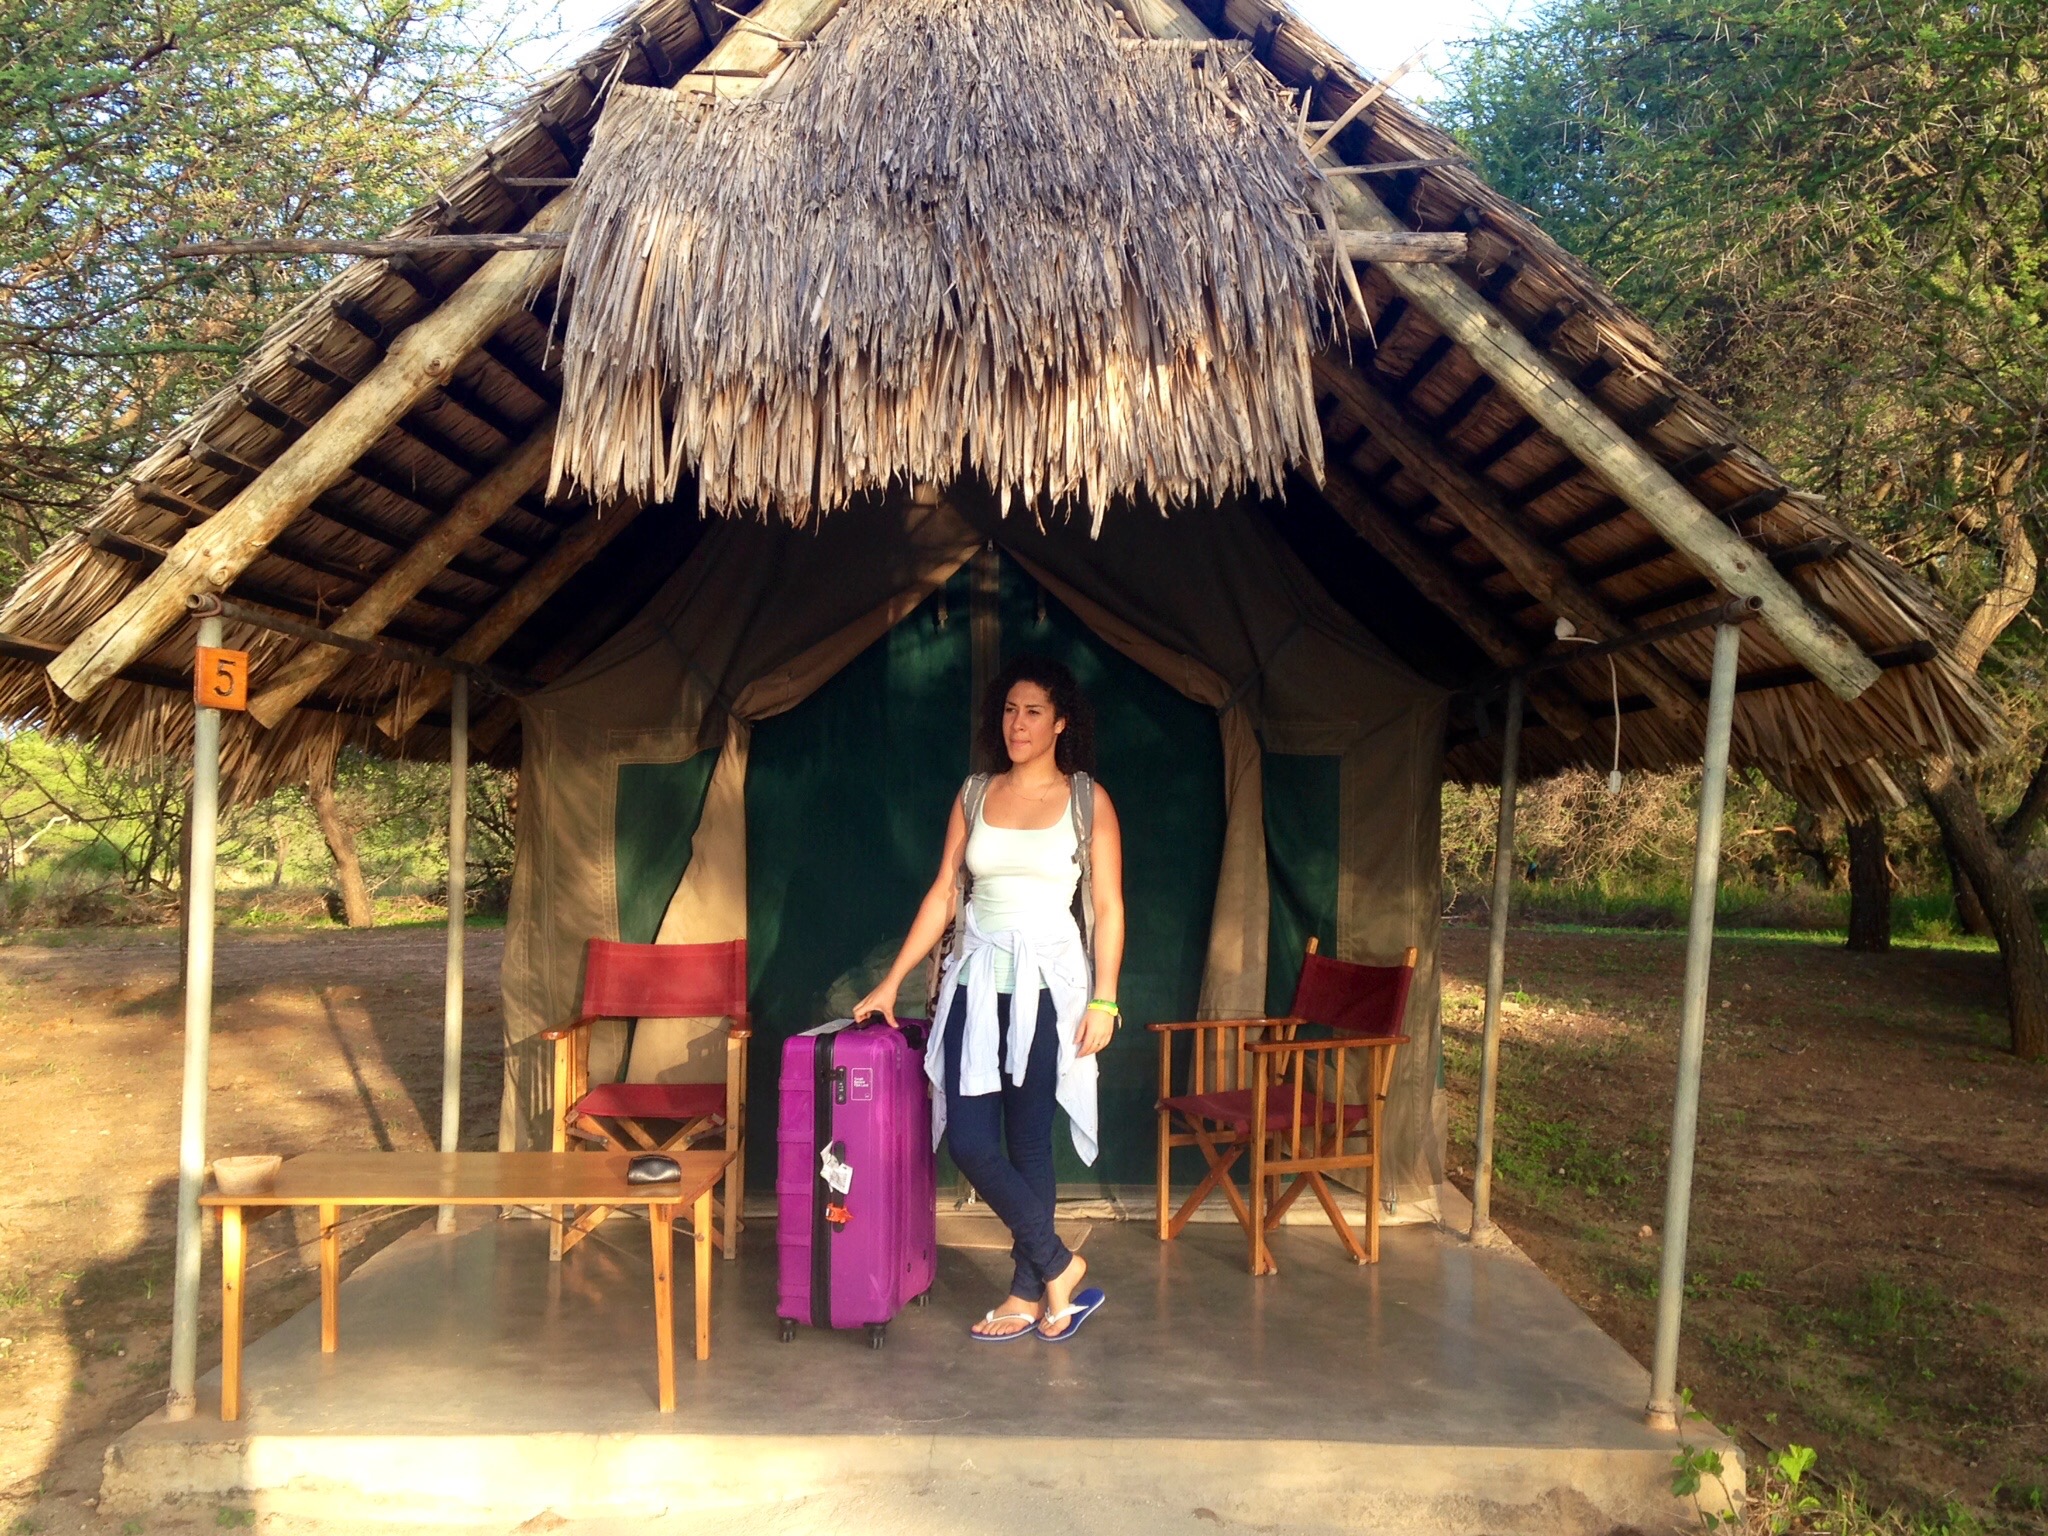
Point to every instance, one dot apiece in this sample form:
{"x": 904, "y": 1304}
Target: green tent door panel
{"x": 1303, "y": 808}
{"x": 653, "y": 823}
{"x": 1160, "y": 757}
{"x": 847, "y": 798}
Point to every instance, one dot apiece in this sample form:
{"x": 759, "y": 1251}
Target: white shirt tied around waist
{"x": 1051, "y": 956}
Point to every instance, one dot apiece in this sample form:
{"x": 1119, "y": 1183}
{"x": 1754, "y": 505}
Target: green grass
{"x": 1816, "y": 938}
{"x": 88, "y": 938}
{"x": 1795, "y": 913}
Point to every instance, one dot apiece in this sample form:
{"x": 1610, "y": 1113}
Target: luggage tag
{"x": 838, "y": 1176}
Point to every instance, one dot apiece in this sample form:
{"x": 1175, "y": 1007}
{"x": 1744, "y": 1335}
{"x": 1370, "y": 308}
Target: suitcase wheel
{"x": 921, "y": 1299}
{"x": 787, "y": 1329}
{"x": 878, "y": 1333}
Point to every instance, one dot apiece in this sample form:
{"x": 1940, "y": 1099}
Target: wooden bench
{"x": 331, "y": 1180}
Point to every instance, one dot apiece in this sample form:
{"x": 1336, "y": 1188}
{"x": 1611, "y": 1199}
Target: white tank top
{"x": 1023, "y": 878}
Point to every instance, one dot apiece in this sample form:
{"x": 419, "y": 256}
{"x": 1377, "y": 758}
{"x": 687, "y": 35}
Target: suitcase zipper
{"x": 821, "y": 1194}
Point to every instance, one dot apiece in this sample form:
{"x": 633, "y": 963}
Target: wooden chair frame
{"x": 623, "y": 1134}
{"x": 1311, "y": 1076}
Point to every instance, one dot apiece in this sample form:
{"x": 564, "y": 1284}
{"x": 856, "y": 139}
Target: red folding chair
{"x": 1262, "y": 1089}
{"x": 653, "y": 981}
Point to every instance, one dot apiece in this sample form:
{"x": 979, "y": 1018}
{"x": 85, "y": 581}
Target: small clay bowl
{"x": 246, "y": 1175}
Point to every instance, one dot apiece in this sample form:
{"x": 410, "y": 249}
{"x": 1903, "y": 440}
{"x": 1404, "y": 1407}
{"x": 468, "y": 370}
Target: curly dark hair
{"x": 1074, "y": 751}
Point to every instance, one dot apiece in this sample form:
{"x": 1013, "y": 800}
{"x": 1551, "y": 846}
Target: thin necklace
{"x": 1037, "y": 799}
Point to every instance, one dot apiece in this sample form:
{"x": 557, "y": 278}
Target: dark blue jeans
{"x": 1003, "y": 1142}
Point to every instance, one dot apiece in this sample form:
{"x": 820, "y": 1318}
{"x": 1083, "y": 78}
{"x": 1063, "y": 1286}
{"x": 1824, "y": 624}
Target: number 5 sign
{"x": 221, "y": 678}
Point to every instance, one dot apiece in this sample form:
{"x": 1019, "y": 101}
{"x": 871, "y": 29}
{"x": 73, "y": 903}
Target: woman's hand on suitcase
{"x": 880, "y": 1001}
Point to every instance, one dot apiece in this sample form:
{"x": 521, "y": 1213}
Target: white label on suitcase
{"x": 838, "y": 1175}
{"x": 860, "y": 1084}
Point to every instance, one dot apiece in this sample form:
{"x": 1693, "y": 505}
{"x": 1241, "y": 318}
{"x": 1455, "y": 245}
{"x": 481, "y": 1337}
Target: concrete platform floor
{"x": 1448, "y": 1389}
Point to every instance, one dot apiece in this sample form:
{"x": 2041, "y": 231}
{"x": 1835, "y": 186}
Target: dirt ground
{"x": 1869, "y": 1230}
{"x": 1870, "y": 1220}
{"x": 322, "y": 1039}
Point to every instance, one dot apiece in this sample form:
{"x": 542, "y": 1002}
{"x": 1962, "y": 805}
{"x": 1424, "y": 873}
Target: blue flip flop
{"x": 993, "y": 1316}
{"x": 1084, "y": 1306}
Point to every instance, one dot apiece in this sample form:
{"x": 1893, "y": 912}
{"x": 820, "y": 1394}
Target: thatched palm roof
{"x": 1076, "y": 266}
{"x": 1405, "y": 384}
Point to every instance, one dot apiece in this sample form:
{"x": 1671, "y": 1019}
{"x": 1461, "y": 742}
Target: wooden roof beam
{"x": 579, "y": 546}
{"x": 1369, "y": 517}
{"x": 41, "y": 653}
{"x": 1542, "y": 389}
{"x": 423, "y": 358}
{"x": 140, "y": 552}
{"x": 327, "y": 505}
{"x": 211, "y": 556}
{"x": 596, "y": 626}
{"x": 370, "y": 614}
{"x": 1453, "y": 415}
{"x": 285, "y": 548}
{"x": 1427, "y": 246}
{"x": 456, "y": 457}
{"x": 1484, "y": 512}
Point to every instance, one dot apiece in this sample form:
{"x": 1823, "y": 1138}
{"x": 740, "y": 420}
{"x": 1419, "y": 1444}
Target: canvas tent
{"x": 1382, "y": 519}
{"x": 1211, "y": 604}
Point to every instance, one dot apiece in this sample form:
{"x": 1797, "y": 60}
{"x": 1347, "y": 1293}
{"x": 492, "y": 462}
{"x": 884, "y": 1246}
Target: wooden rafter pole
{"x": 753, "y": 52}
{"x": 1349, "y": 498}
{"x": 1541, "y": 388}
{"x": 1164, "y": 20}
{"x": 210, "y": 556}
{"x": 576, "y": 549}
{"x": 1386, "y": 250}
{"x": 424, "y": 357}
{"x": 396, "y": 245}
{"x": 475, "y": 510}
{"x": 1482, "y": 511}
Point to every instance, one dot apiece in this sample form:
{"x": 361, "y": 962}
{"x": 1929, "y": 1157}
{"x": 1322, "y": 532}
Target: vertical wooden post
{"x": 1662, "y": 1412}
{"x": 1496, "y": 969}
{"x": 204, "y": 823}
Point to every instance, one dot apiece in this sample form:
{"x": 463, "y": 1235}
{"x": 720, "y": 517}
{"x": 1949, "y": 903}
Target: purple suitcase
{"x": 854, "y": 1258}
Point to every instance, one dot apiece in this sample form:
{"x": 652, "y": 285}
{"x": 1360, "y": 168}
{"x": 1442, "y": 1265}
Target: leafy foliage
{"x": 81, "y": 842}
{"x": 1835, "y": 212}
{"x": 127, "y": 128}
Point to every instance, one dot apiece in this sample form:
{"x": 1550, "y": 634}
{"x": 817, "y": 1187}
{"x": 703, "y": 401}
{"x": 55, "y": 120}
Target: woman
{"x": 1024, "y": 1013}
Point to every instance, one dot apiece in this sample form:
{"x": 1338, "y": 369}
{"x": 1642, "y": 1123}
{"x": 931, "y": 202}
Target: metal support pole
{"x": 458, "y": 893}
{"x": 183, "y": 1400}
{"x": 1662, "y": 1412}
{"x": 1496, "y": 967}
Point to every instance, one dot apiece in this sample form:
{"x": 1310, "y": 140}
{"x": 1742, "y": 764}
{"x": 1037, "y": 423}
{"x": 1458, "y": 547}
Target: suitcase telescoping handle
{"x": 914, "y": 1031}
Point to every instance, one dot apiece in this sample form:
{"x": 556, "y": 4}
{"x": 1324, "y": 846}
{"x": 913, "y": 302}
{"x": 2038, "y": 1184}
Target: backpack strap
{"x": 972, "y": 793}
{"x": 1082, "y": 803}
{"x": 1083, "y": 792}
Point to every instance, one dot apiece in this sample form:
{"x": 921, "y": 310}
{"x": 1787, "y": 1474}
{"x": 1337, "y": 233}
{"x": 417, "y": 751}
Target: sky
{"x": 1378, "y": 34}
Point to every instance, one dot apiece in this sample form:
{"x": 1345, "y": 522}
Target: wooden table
{"x": 331, "y": 1180}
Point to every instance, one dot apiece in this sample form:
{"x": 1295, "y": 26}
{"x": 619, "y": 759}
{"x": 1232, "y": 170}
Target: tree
{"x": 1870, "y": 888}
{"x": 1834, "y": 210}
{"x": 356, "y": 909}
{"x": 126, "y": 128}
